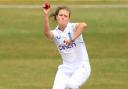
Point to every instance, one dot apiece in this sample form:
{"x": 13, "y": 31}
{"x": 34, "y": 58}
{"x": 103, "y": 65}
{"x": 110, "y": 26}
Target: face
{"x": 63, "y": 17}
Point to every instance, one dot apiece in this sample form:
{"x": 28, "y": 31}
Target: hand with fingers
{"x": 46, "y": 7}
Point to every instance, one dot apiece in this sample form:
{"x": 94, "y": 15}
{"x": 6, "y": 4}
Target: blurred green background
{"x": 64, "y": 1}
{"x": 28, "y": 60}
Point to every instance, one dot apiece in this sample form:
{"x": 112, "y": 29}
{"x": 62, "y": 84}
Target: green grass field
{"x": 29, "y": 61}
{"x": 81, "y": 2}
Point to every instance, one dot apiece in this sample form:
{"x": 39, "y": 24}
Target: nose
{"x": 62, "y": 18}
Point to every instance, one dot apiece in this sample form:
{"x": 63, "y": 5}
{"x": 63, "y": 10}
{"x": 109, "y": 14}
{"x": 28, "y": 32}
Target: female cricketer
{"x": 75, "y": 69}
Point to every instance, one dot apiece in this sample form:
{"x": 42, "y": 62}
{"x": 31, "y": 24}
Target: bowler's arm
{"x": 80, "y": 27}
{"x": 46, "y": 30}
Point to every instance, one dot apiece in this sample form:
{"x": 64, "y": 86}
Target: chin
{"x": 64, "y": 24}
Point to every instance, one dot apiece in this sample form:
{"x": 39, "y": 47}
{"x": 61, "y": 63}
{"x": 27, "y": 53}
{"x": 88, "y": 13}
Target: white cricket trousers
{"x": 74, "y": 80}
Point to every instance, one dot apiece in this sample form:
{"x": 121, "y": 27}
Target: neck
{"x": 62, "y": 28}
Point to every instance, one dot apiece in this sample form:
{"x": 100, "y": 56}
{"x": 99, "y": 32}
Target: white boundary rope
{"x": 71, "y": 6}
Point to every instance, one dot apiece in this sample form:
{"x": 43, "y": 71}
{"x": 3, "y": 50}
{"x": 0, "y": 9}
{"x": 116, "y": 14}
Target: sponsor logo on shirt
{"x": 58, "y": 37}
{"x": 64, "y": 47}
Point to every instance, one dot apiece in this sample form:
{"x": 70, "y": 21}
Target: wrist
{"x": 72, "y": 40}
{"x": 46, "y": 14}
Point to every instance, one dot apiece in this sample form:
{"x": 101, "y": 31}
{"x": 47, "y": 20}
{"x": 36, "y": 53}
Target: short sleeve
{"x": 54, "y": 35}
{"x": 73, "y": 26}
{"x": 52, "y": 31}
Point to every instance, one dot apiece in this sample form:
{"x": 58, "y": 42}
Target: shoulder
{"x": 72, "y": 25}
{"x": 55, "y": 31}
{"x": 76, "y": 24}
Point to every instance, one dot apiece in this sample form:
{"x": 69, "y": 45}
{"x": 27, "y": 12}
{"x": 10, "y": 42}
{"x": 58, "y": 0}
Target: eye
{"x": 65, "y": 16}
{"x": 60, "y": 14}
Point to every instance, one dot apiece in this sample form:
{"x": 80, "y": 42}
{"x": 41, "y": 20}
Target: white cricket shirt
{"x": 74, "y": 54}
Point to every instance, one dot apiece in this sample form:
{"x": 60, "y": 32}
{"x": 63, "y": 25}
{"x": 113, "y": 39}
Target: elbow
{"x": 47, "y": 34}
{"x": 84, "y": 25}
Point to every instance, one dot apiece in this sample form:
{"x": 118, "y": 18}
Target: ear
{"x": 56, "y": 17}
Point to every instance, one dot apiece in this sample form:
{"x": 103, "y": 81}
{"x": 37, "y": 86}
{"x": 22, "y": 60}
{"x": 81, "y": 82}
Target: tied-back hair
{"x": 57, "y": 11}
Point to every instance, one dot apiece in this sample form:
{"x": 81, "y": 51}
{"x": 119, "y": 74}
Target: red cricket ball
{"x": 46, "y": 6}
